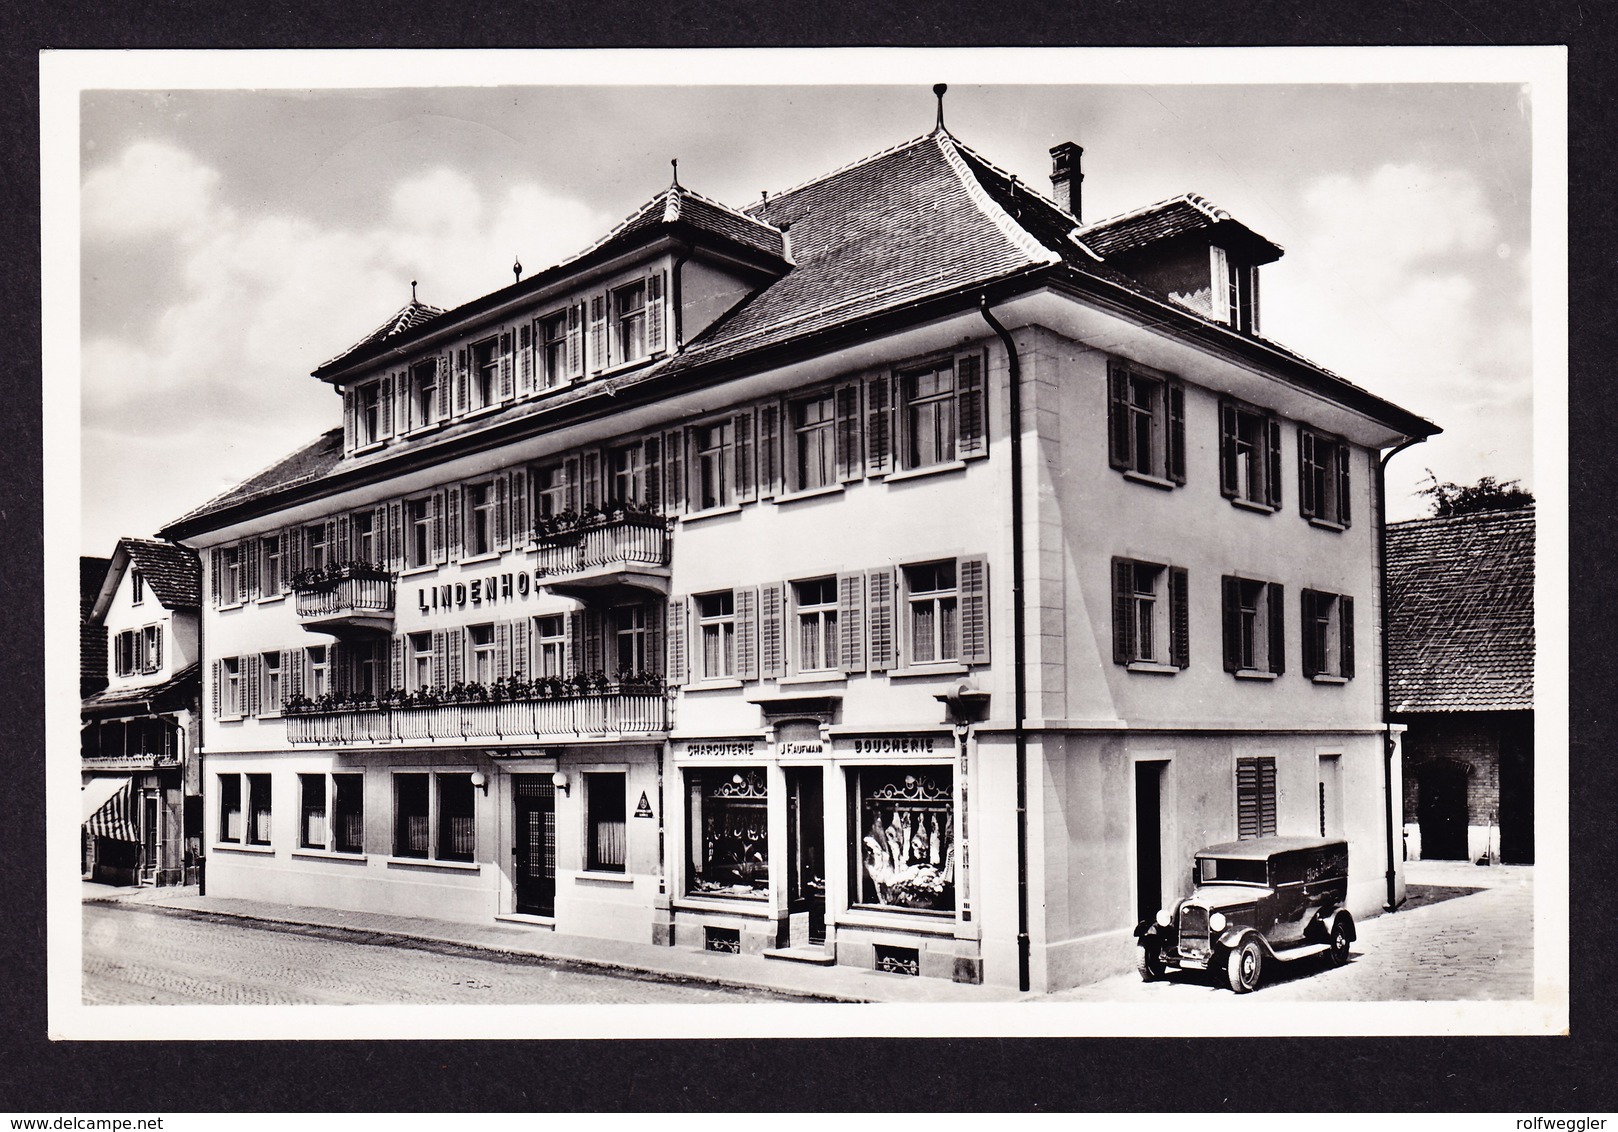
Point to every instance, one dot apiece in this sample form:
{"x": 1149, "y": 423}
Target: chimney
{"x": 1066, "y": 178}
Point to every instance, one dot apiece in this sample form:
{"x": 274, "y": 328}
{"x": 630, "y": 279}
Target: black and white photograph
{"x": 992, "y": 543}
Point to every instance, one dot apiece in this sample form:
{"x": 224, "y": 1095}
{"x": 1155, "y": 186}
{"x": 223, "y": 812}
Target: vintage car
{"x": 1268, "y": 897}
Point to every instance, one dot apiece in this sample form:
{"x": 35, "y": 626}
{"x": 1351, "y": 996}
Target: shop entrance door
{"x": 534, "y": 847}
{"x": 806, "y": 869}
{"x": 148, "y": 839}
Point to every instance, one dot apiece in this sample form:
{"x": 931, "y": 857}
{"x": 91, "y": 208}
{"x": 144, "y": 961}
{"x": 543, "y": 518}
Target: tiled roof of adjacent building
{"x": 1164, "y": 220}
{"x": 172, "y": 572}
{"x": 177, "y": 691}
{"x": 1461, "y": 613}
{"x": 92, "y": 637}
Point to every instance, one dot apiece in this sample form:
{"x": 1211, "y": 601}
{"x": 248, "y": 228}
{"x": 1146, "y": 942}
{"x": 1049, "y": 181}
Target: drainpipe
{"x": 1387, "y": 694}
{"x": 675, "y": 293}
{"x": 1019, "y": 640}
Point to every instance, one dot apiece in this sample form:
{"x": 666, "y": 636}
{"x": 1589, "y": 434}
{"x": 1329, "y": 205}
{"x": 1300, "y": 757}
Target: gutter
{"x": 1387, "y": 715}
{"x": 1019, "y": 675}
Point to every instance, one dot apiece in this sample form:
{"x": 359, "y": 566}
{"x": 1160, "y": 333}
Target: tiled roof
{"x": 308, "y": 463}
{"x": 1188, "y": 212}
{"x": 176, "y": 691}
{"x": 1461, "y": 613}
{"x": 92, "y": 636}
{"x": 678, "y": 204}
{"x": 407, "y": 317}
{"x": 172, "y": 572}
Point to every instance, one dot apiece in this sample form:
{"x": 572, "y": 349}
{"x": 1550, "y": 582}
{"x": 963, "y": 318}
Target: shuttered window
{"x": 716, "y": 632}
{"x": 554, "y": 365}
{"x": 1249, "y": 455}
{"x": 1324, "y": 488}
{"x": 1254, "y": 625}
{"x": 1150, "y": 614}
{"x": 1255, "y": 797}
{"x": 1145, "y": 422}
{"x": 1328, "y": 635}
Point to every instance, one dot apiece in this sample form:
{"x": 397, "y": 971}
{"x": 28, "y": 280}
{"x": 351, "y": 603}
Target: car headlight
{"x": 1216, "y": 922}
{"x": 1163, "y": 918}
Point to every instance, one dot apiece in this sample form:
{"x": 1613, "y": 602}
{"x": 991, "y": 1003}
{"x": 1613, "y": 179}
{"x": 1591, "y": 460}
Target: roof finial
{"x": 412, "y": 291}
{"x": 516, "y": 268}
{"x": 675, "y": 163}
{"x": 938, "y": 92}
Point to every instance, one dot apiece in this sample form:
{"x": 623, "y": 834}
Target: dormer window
{"x": 1235, "y": 290}
{"x": 629, "y": 322}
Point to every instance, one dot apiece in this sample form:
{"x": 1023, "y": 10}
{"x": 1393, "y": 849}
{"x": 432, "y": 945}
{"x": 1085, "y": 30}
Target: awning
{"x": 107, "y": 808}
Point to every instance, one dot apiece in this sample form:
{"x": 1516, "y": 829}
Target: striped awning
{"x": 108, "y": 808}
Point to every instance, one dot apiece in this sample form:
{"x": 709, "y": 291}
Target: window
{"x": 716, "y": 624}
{"x": 368, "y": 669}
{"x": 729, "y": 824}
{"x": 1241, "y": 296}
{"x": 258, "y": 808}
{"x": 1150, "y": 615}
{"x": 480, "y": 641}
{"x": 629, "y": 322}
{"x": 816, "y": 603}
{"x": 125, "y": 648}
{"x": 421, "y": 662}
{"x": 419, "y": 524}
{"x": 319, "y": 671}
{"x": 271, "y": 581}
{"x": 312, "y": 811}
{"x": 1328, "y": 636}
{"x": 1323, "y": 479}
{"x": 230, "y": 808}
{"x": 1254, "y": 626}
{"x": 1255, "y": 797}
{"x": 368, "y": 414}
{"x": 485, "y": 374}
{"x": 435, "y": 817}
{"x": 604, "y": 797}
{"x": 550, "y": 491}
{"x": 628, "y": 627}
{"x": 627, "y": 468}
{"x": 230, "y": 575}
{"x": 1145, "y": 423}
{"x": 479, "y": 519}
{"x": 317, "y": 555}
{"x": 929, "y": 415}
{"x": 151, "y": 648}
{"x": 550, "y": 646}
{"x": 1249, "y": 455}
{"x": 362, "y": 534}
{"x": 424, "y": 393}
{"x": 137, "y": 587}
{"x": 904, "y": 837}
{"x": 553, "y": 349}
{"x": 339, "y": 827}
{"x": 231, "y": 703}
{"x": 715, "y": 464}
{"x": 931, "y": 623}
{"x": 270, "y": 675}
{"x": 814, "y": 449}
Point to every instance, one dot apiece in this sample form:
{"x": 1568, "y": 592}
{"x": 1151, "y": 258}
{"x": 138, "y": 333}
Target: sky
{"x": 231, "y": 240}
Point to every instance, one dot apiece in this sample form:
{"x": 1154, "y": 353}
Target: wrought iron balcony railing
{"x": 619, "y": 549}
{"x": 353, "y": 596}
{"x": 597, "y": 714}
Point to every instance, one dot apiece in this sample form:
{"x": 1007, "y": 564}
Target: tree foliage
{"x": 1488, "y": 494}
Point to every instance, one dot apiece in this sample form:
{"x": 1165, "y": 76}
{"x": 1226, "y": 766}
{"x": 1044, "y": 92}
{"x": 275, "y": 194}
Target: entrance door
{"x": 534, "y": 847}
{"x": 1517, "y": 790}
{"x": 806, "y": 869}
{"x": 148, "y": 839}
{"x": 1148, "y": 839}
{"x": 1441, "y": 811}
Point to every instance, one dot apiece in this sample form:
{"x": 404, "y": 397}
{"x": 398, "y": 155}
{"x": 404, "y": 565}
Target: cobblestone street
{"x": 136, "y": 955}
{"x": 1466, "y": 933}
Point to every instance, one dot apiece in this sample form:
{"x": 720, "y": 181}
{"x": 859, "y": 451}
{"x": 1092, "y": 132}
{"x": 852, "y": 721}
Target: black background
{"x": 1242, "y": 1073}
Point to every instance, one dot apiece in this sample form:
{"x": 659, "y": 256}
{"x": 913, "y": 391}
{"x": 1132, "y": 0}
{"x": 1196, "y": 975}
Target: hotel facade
{"x": 898, "y": 572}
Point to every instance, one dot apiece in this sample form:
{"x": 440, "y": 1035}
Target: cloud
{"x": 153, "y": 189}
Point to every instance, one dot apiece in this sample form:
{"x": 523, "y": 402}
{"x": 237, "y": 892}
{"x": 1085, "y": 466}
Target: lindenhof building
{"x": 897, "y": 572}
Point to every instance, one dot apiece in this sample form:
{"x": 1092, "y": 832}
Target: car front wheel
{"x": 1244, "y": 966}
{"x": 1339, "y": 944}
{"x": 1150, "y": 964}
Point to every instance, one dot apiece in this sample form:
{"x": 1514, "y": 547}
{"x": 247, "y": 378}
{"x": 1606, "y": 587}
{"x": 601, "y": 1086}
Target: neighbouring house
{"x": 897, "y": 572}
{"x": 141, "y": 796}
{"x": 1461, "y": 678}
{"x": 92, "y": 636}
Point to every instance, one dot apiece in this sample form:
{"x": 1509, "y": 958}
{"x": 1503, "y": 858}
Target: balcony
{"x": 592, "y": 556}
{"x": 605, "y": 712}
{"x": 354, "y": 597}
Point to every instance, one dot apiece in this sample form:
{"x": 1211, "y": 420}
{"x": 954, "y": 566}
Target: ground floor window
{"x": 332, "y": 812}
{"x": 904, "y": 819}
{"x": 230, "y": 808}
{"x": 605, "y": 810}
{"x": 429, "y": 804}
{"x": 258, "y": 808}
{"x": 729, "y": 825}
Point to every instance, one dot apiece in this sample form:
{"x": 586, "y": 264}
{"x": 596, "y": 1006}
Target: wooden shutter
{"x": 882, "y": 654}
{"x": 218, "y": 680}
{"x": 1230, "y": 592}
{"x": 440, "y": 658}
{"x": 1219, "y": 280}
{"x": 505, "y": 366}
{"x": 436, "y": 504}
{"x": 651, "y": 459}
{"x": 746, "y": 458}
{"x": 1344, "y": 502}
{"x": 393, "y": 545}
{"x": 384, "y": 408}
{"x": 772, "y": 630}
{"x": 572, "y": 482}
{"x": 673, "y": 472}
{"x": 973, "y": 576}
{"x": 292, "y": 673}
{"x": 1118, "y": 431}
{"x": 1179, "y": 617}
{"x": 1272, "y": 481}
{"x": 850, "y": 449}
{"x": 575, "y": 340}
{"x": 675, "y": 640}
{"x": 517, "y": 634}
{"x": 971, "y": 405}
{"x": 747, "y": 633}
{"x": 1307, "y": 602}
{"x": 522, "y": 519}
{"x": 1275, "y": 593}
{"x": 1175, "y": 392}
{"x": 851, "y": 621}
{"x": 396, "y": 677}
{"x": 1123, "y": 624}
{"x": 654, "y": 312}
{"x": 157, "y": 647}
{"x": 878, "y": 424}
{"x": 525, "y": 358}
{"x": 502, "y": 650}
{"x": 575, "y": 643}
{"x": 1308, "y": 506}
{"x": 769, "y": 450}
{"x": 455, "y": 656}
{"x": 593, "y": 629}
{"x": 590, "y": 495}
{"x": 344, "y": 550}
{"x": 598, "y": 332}
{"x": 1229, "y": 436}
{"x": 1255, "y": 798}
{"x": 441, "y": 385}
{"x": 454, "y": 522}
{"x": 250, "y": 685}
{"x": 216, "y": 560}
{"x": 250, "y": 554}
{"x": 500, "y": 491}
{"x": 291, "y": 552}
{"x": 339, "y": 666}
{"x": 348, "y": 420}
{"x": 1345, "y": 635}
{"x": 460, "y": 380}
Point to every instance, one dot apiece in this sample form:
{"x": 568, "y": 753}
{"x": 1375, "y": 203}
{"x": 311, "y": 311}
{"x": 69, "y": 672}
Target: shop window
{"x": 411, "y": 816}
{"x": 729, "y": 826}
{"x": 816, "y": 605}
{"x": 714, "y": 446}
{"x": 269, "y": 667}
{"x": 550, "y": 646}
{"x": 553, "y": 349}
{"x": 604, "y": 796}
{"x": 434, "y": 817}
{"x": 1146, "y": 424}
{"x": 485, "y": 374}
{"x": 258, "y": 806}
{"x": 905, "y": 836}
{"x": 419, "y": 528}
{"x": 1249, "y": 455}
{"x": 1255, "y": 797}
{"x": 457, "y": 818}
{"x": 271, "y": 581}
{"x": 931, "y": 599}
{"x": 716, "y": 625}
{"x": 1150, "y": 615}
{"x": 1323, "y": 478}
{"x": 1328, "y": 635}
{"x": 929, "y": 419}
{"x": 814, "y": 450}
{"x": 312, "y": 811}
{"x": 1254, "y": 626}
{"x": 629, "y": 322}
{"x": 230, "y": 808}
{"x": 348, "y": 813}
{"x": 424, "y": 393}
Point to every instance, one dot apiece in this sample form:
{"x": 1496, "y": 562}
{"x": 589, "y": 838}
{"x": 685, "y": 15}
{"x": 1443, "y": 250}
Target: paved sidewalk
{"x": 836, "y": 984}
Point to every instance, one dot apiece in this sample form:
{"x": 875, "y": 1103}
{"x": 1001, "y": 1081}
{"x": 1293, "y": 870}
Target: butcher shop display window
{"x": 730, "y": 846}
{"x": 905, "y": 822}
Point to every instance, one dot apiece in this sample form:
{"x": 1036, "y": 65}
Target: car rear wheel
{"x": 1150, "y": 964}
{"x": 1244, "y": 966}
{"x": 1339, "y": 943}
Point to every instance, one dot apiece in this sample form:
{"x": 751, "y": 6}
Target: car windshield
{"x": 1224, "y": 870}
